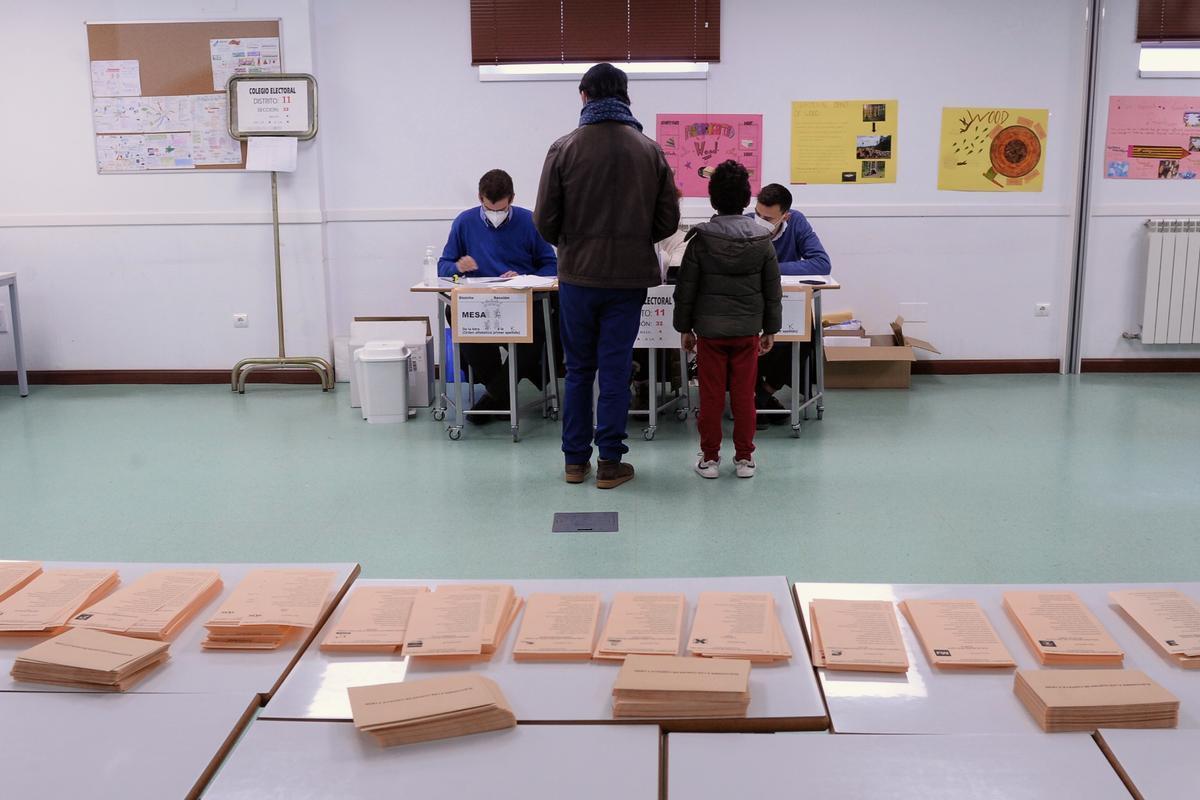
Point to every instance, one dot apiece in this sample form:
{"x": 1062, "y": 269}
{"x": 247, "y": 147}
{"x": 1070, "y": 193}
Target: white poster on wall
{"x": 142, "y": 114}
{"x": 492, "y": 315}
{"x": 211, "y": 142}
{"x": 251, "y": 56}
{"x": 272, "y": 106}
{"x": 116, "y": 78}
{"x": 657, "y": 329}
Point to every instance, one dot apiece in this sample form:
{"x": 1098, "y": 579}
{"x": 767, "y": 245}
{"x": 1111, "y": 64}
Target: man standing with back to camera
{"x": 605, "y": 197}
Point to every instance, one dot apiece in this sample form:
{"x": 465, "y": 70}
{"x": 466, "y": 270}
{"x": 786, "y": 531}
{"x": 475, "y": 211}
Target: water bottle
{"x": 429, "y": 268}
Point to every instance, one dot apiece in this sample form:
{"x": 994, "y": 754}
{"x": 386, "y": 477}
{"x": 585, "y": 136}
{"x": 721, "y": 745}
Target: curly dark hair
{"x": 729, "y": 188}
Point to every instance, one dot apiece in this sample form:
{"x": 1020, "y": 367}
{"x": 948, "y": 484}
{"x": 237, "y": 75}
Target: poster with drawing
{"x": 695, "y": 143}
{"x": 993, "y": 149}
{"x": 1152, "y": 138}
{"x": 844, "y": 141}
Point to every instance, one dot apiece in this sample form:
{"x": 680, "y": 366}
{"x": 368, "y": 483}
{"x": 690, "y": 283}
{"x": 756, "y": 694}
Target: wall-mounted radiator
{"x": 1172, "y": 282}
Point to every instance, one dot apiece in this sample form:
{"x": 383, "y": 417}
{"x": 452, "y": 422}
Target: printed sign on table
{"x": 485, "y": 315}
{"x": 657, "y": 329}
{"x": 695, "y": 144}
{"x": 797, "y": 314}
{"x": 1153, "y": 138}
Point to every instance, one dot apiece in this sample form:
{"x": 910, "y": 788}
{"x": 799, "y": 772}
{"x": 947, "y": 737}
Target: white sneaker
{"x": 745, "y": 468}
{"x": 708, "y": 469}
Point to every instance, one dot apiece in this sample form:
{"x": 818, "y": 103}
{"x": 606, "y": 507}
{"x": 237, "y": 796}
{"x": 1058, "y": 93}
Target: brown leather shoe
{"x": 577, "y": 473}
{"x": 610, "y": 474}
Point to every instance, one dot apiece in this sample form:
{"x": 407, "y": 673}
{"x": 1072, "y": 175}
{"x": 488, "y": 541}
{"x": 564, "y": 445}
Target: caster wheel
{"x": 820, "y": 413}
{"x": 439, "y": 414}
{"x": 554, "y": 415}
{"x": 681, "y": 414}
{"x": 795, "y": 431}
{"x": 516, "y": 436}
{"x": 455, "y": 434}
{"x": 648, "y": 434}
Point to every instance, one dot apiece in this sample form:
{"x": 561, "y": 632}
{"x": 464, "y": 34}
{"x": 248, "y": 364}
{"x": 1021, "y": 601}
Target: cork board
{"x": 174, "y": 57}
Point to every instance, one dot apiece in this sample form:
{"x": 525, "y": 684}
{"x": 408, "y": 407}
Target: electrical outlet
{"x": 241, "y": 321}
{"x": 3, "y": 318}
{"x": 1041, "y": 309}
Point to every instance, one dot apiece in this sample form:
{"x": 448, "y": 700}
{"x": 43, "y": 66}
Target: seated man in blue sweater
{"x": 800, "y": 253}
{"x": 498, "y": 240}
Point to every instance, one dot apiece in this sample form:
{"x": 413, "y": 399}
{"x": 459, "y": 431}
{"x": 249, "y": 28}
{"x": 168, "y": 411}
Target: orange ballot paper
{"x": 435, "y": 708}
{"x": 1060, "y": 629}
{"x": 155, "y": 606}
{"x": 558, "y": 627}
{"x": 857, "y": 635}
{"x": 956, "y": 634}
{"x": 1168, "y": 618}
{"x": 14, "y": 575}
{"x": 673, "y": 686}
{"x": 90, "y": 660}
{"x": 642, "y": 622}
{"x": 268, "y": 607}
{"x": 500, "y": 610}
{"x": 374, "y": 620}
{"x": 446, "y": 624}
{"x": 52, "y": 598}
{"x": 1087, "y": 699}
{"x": 738, "y": 625}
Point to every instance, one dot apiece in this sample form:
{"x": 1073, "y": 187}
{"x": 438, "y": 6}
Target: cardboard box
{"x": 886, "y": 364}
{"x": 417, "y": 333}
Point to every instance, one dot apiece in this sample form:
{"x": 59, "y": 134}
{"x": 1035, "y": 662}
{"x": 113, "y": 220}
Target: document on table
{"x": 375, "y": 619}
{"x": 642, "y": 622}
{"x": 1168, "y": 618}
{"x": 805, "y": 280}
{"x": 558, "y": 627}
{"x": 15, "y": 575}
{"x": 285, "y": 597}
{"x": 53, "y": 597}
{"x": 446, "y": 623}
{"x": 1060, "y": 629}
{"x": 956, "y": 634}
{"x": 154, "y": 605}
{"x": 738, "y": 625}
{"x": 857, "y": 635}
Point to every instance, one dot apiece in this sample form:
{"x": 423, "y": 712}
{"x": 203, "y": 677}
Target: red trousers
{"x": 727, "y": 364}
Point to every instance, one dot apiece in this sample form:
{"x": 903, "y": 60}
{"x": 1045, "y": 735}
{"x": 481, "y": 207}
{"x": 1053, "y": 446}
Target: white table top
{"x": 927, "y": 700}
{"x": 279, "y": 760}
{"x": 836, "y": 767}
{"x": 1163, "y": 765}
{"x": 191, "y": 669}
{"x": 124, "y": 747}
{"x": 781, "y": 697}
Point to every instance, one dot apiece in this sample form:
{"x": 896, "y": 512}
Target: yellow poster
{"x": 993, "y": 149}
{"x": 844, "y": 141}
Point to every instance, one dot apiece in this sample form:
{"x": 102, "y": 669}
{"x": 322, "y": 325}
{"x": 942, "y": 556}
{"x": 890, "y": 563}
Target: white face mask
{"x": 766, "y": 223}
{"x": 496, "y": 217}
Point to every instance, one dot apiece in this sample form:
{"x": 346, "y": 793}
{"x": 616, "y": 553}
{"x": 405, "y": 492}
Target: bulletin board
{"x": 166, "y": 114}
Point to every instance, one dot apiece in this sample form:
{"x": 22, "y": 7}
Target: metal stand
{"x": 283, "y": 362}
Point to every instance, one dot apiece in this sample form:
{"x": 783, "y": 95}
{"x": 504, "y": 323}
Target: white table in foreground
{"x": 782, "y": 697}
{"x": 834, "y": 767}
{"x": 1156, "y": 765}
{"x": 279, "y": 760}
{"x": 927, "y": 700}
{"x": 191, "y": 668}
{"x": 123, "y": 747}
{"x": 9, "y": 279}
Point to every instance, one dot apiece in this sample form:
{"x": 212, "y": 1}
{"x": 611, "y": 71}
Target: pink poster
{"x": 695, "y": 143}
{"x": 1153, "y": 138}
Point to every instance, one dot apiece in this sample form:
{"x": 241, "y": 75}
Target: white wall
{"x": 1114, "y": 287}
{"x": 145, "y": 271}
{"x": 142, "y": 271}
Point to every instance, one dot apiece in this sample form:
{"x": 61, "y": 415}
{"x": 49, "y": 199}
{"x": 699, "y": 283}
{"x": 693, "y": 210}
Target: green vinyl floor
{"x": 961, "y": 479}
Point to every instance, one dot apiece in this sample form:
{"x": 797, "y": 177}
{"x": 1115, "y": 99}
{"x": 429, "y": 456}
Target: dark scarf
{"x": 609, "y": 109}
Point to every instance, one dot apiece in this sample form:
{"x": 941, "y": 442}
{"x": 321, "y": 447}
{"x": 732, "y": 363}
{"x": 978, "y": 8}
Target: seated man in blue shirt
{"x": 800, "y": 253}
{"x": 498, "y": 239}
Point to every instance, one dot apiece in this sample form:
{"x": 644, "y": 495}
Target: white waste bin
{"x": 382, "y": 375}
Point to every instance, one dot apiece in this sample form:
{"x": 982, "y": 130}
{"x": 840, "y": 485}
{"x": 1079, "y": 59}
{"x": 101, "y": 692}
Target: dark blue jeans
{"x": 598, "y": 329}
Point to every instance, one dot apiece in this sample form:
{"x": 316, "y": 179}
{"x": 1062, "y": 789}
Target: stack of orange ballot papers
{"x": 461, "y": 622}
{"x": 1061, "y": 630}
{"x": 374, "y": 620}
{"x": 1169, "y": 619}
{"x": 674, "y": 687}
{"x": 856, "y": 635}
{"x": 738, "y": 625}
{"x": 90, "y": 660}
{"x": 558, "y": 627}
{"x": 1087, "y": 699}
{"x": 956, "y": 634}
{"x": 155, "y": 606}
{"x": 267, "y": 608}
{"x": 15, "y": 575}
{"x": 51, "y": 599}
{"x": 642, "y": 622}
{"x": 436, "y": 708}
